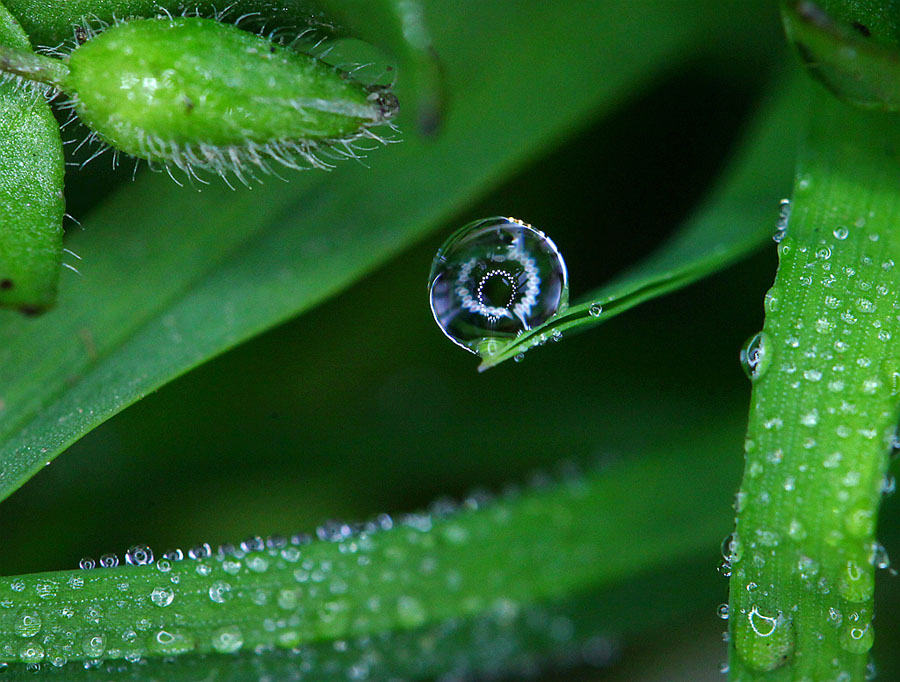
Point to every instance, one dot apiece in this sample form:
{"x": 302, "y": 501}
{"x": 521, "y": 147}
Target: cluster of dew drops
{"x": 256, "y": 554}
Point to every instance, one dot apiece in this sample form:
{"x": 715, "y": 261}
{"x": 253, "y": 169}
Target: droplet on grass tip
{"x": 494, "y": 279}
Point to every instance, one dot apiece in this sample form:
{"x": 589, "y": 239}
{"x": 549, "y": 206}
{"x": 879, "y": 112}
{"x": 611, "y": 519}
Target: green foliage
{"x": 31, "y": 192}
{"x": 360, "y": 406}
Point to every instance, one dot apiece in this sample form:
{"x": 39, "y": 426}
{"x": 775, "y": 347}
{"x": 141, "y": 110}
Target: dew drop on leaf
{"x": 93, "y": 646}
{"x": 139, "y": 555}
{"x": 756, "y": 356}
{"x": 28, "y": 623}
{"x": 162, "y": 596}
{"x": 228, "y": 639}
{"x": 764, "y": 639}
{"x": 493, "y": 279}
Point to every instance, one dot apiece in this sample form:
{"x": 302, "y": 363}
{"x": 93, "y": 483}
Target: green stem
{"x": 33, "y": 66}
{"x": 824, "y": 407}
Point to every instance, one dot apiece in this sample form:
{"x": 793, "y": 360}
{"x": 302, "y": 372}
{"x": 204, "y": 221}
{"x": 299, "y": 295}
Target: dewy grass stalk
{"x": 826, "y": 393}
{"x": 387, "y": 576}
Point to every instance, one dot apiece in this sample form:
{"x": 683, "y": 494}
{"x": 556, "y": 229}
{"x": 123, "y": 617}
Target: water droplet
{"x": 93, "y": 646}
{"x": 722, "y": 611}
{"x": 31, "y": 653}
{"x": 139, "y": 555}
{"x": 228, "y": 639}
{"x": 596, "y": 310}
{"x": 170, "y": 642}
{"x": 781, "y": 225}
{"x": 109, "y": 561}
{"x": 764, "y": 640}
{"x": 202, "y": 551}
{"x": 28, "y": 623}
{"x": 87, "y": 564}
{"x": 857, "y": 638}
{"x": 756, "y": 356}
{"x": 493, "y": 279}
{"x": 856, "y": 583}
{"x": 220, "y": 592}
{"x": 162, "y": 596}
{"x": 841, "y": 232}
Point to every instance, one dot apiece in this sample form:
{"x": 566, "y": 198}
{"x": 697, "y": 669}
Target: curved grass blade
{"x": 386, "y": 577}
{"x": 857, "y": 59}
{"x": 31, "y": 189}
{"x": 737, "y": 220}
{"x": 195, "y": 274}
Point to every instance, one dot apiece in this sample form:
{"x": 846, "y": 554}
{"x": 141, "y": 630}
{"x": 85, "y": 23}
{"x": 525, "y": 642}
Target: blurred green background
{"x": 362, "y": 406}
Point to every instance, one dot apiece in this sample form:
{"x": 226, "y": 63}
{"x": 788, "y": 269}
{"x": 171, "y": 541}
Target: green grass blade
{"x": 173, "y": 277}
{"x": 399, "y": 576}
{"x": 738, "y": 219}
{"x": 823, "y": 413}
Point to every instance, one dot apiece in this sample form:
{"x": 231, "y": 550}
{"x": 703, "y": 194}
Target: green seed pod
{"x": 398, "y": 26}
{"x": 31, "y": 190}
{"x": 195, "y": 93}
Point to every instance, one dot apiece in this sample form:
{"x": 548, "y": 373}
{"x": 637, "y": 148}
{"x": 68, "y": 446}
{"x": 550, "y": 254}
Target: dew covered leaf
{"x": 173, "y": 277}
{"x": 736, "y": 220}
{"x": 397, "y": 587}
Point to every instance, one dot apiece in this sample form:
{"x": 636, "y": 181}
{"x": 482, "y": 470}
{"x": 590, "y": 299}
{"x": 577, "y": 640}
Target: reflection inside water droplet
{"x": 756, "y": 356}
{"x": 494, "y": 279}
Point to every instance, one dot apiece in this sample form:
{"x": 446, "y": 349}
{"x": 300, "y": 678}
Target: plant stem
{"x": 823, "y": 412}
{"x": 33, "y": 66}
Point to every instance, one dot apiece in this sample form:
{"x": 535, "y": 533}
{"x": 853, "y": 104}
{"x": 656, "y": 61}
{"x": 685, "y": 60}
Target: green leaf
{"x": 735, "y": 221}
{"x": 824, "y": 411}
{"x": 401, "y": 582}
{"x": 168, "y": 288}
{"x": 31, "y": 189}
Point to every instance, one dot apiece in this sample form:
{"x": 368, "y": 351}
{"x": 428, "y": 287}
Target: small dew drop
{"x": 228, "y": 639}
{"x": 139, "y": 555}
{"x": 756, "y": 356}
{"x": 220, "y": 592}
{"x": 841, "y": 232}
{"x": 722, "y": 611}
{"x": 596, "y": 310}
{"x": 781, "y": 225}
{"x": 162, "y": 596}
{"x": 28, "y": 623}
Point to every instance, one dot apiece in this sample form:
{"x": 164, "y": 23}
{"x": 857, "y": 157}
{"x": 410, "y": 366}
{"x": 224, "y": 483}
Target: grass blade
{"x": 736, "y": 220}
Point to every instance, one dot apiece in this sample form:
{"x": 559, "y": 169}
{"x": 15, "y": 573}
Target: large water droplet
{"x": 756, "y": 356}
{"x": 494, "y": 279}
